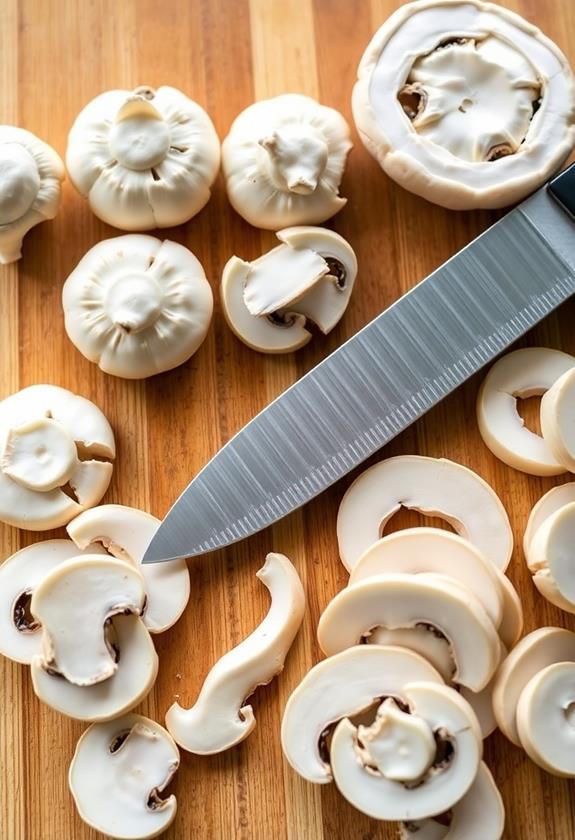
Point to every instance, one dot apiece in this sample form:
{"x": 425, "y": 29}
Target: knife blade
{"x": 383, "y": 378}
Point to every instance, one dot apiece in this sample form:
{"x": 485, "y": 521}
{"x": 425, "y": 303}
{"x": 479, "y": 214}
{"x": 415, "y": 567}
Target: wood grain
{"x": 55, "y": 55}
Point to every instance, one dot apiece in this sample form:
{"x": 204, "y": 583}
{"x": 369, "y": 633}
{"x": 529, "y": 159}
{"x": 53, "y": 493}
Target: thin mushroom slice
{"x": 434, "y": 486}
{"x": 421, "y": 639}
{"x": 550, "y": 558}
{"x": 118, "y": 774}
{"x": 521, "y": 374}
{"x": 511, "y": 627}
{"x": 548, "y": 504}
{"x": 220, "y": 717}
{"x": 557, "y": 412}
{"x": 482, "y": 701}
{"x": 340, "y": 687}
{"x": 449, "y": 773}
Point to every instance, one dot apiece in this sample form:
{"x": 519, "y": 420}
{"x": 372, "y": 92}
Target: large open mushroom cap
{"x": 137, "y": 306}
{"x": 548, "y": 504}
{"x": 118, "y": 773}
{"x": 126, "y": 533}
{"x": 220, "y": 717}
{"x": 464, "y": 103}
{"x": 339, "y": 687}
{"x": 520, "y": 374}
{"x": 557, "y": 411}
{"x": 434, "y": 486}
{"x": 550, "y": 558}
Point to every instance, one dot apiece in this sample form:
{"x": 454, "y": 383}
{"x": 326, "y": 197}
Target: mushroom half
{"x": 557, "y": 412}
{"x": 550, "y": 558}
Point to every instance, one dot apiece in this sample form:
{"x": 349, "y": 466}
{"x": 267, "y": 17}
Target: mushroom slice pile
{"x": 30, "y": 176}
{"x": 284, "y": 160}
{"x": 220, "y": 718}
{"x": 126, "y": 533}
{"x": 310, "y": 276}
{"x": 117, "y": 776}
{"x": 521, "y": 374}
{"x": 550, "y": 558}
{"x": 137, "y": 306}
{"x": 433, "y": 486}
{"x": 465, "y": 103}
{"x": 144, "y": 159}
{"x": 557, "y": 412}
{"x": 56, "y": 450}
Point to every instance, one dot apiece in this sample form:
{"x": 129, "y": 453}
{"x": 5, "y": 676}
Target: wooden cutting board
{"x": 55, "y": 55}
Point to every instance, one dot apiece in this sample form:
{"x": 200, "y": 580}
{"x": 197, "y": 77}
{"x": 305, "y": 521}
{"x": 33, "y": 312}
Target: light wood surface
{"x": 55, "y": 55}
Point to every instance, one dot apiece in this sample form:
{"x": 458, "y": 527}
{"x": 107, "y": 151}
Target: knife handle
{"x": 562, "y": 188}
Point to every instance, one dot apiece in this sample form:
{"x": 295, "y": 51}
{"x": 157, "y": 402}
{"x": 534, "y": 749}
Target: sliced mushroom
{"x": 550, "y": 558}
{"x": 548, "y": 504}
{"x": 482, "y": 701}
{"x": 557, "y": 412}
{"x": 511, "y": 626}
{"x": 521, "y": 374}
{"x": 421, "y": 639}
{"x": 433, "y": 486}
{"x": 220, "y": 718}
{"x": 339, "y": 687}
{"x": 118, "y": 773}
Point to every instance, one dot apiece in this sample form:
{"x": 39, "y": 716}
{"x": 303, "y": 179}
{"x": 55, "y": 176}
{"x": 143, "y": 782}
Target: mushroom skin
{"x": 557, "y": 411}
{"x": 31, "y": 174}
{"x": 550, "y": 558}
{"x": 143, "y": 159}
{"x": 548, "y": 504}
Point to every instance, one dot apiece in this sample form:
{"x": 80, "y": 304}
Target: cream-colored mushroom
{"x": 511, "y": 627}
{"x": 550, "y": 558}
{"x": 143, "y": 159}
{"x": 464, "y": 103}
{"x": 521, "y": 374}
{"x": 557, "y": 412}
{"x": 310, "y": 276}
{"x": 137, "y": 306}
{"x": 30, "y": 176}
{"x": 441, "y": 781}
{"x": 284, "y": 160}
{"x": 126, "y": 533}
{"x": 56, "y": 450}
{"x": 118, "y": 773}
{"x": 548, "y": 504}
{"x": 220, "y": 717}
{"x": 434, "y": 486}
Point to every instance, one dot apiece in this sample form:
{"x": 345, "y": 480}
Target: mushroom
{"x": 521, "y": 374}
{"x": 557, "y": 411}
{"x": 434, "y": 486}
{"x": 283, "y": 160}
{"x": 439, "y": 768}
{"x": 30, "y": 176}
{"x": 220, "y": 717}
{"x": 118, "y": 773}
{"x": 143, "y": 159}
{"x": 550, "y": 558}
{"x": 56, "y": 450}
{"x": 126, "y": 533}
{"x": 340, "y": 687}
{"x": 137, "y": 306}
{"x": 310, "y": 276}
{"x": 549, "y": 503}
{"x": 465, "y": 103}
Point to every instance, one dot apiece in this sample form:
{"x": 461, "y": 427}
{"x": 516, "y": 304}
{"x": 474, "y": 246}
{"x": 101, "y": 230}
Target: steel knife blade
{"x": 383, "y": 378}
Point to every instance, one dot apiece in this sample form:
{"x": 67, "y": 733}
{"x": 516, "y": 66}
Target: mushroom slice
{"x": 137, "y": 306}
{"x": 521, "y": 374}
{"x": 550, "y": 558}
{"x": 399, "y": 600}
{"x": 126, "y": 533}
{"x": 434, "y": 486}
{"x": 557, "y": 412}
{"x": 543, "y": 647}
{"x": 511, "y": 626}
{"x": 450, "y": 771}
{"x": 339, "y": 687}
{"x": 73, "y": 602}
{"x": 220, "y": 718}
{"x": 548, "y": 504}
{"x": 421, "y": 639}
{"x": 118, "y": 773}
{"x": 133, "y": 680}
{"x": 482, "y": 701}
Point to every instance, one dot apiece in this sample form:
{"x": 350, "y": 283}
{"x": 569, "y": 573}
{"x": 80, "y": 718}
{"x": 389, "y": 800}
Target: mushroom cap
{"x": 434, "y": 486}
{"x": 557, "y": 411}
{"x": 118, "y": 768}
{"x": 137, "y": 306}
{"x": 550, "y": 558}
{"x": 522, "y": 373}
{"x": 340, "y": 687}
{"x": 550, "y": 502}
{"x": 144, "y": 159}
{"x": 126, "y": 532}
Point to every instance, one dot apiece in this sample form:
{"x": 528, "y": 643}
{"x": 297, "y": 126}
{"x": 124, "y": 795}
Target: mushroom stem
{"x": 297, "y": 157}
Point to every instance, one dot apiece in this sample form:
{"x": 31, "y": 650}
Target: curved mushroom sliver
{"x": 220, "y": 718}
{"x": 550, "y": 558}
{"x": 548, "y": 504}
{"x": 434, "y": 486}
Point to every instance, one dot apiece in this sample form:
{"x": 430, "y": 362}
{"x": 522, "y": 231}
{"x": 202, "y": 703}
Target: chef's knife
{"x": 385, "y": 377}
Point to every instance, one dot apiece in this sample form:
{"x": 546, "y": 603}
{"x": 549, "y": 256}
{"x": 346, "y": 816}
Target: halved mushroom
{"x": 550, "y": 558}
{"x": 549, "y": 503}
{"x": 434, "y": 486}
{"x": 126, "y": 533}
{"x": 557, "y": 412}
{"x": 118, "y": 773}
{"x": 521, "y": 374}
{"x": 310, "y": 276}
{"x": 220, "y": 718}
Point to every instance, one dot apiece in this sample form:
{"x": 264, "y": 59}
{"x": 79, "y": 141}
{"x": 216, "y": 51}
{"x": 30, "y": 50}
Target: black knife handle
{"x": 562, "y": 188}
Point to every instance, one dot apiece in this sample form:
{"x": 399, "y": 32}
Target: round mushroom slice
{"x": 548, "y": 504}
{"x": 220, "y": 717}
{"x": 126, "y": 533}
{"x": 118, "y": 773}
{"x": 74, "y": 602}
{"x": 521, "y": 374}
{"x": 434, "y": 486}
{"x": 339, "y": 687}
{"x": 550, "y": 558}
{"x": 557, "y": 412}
